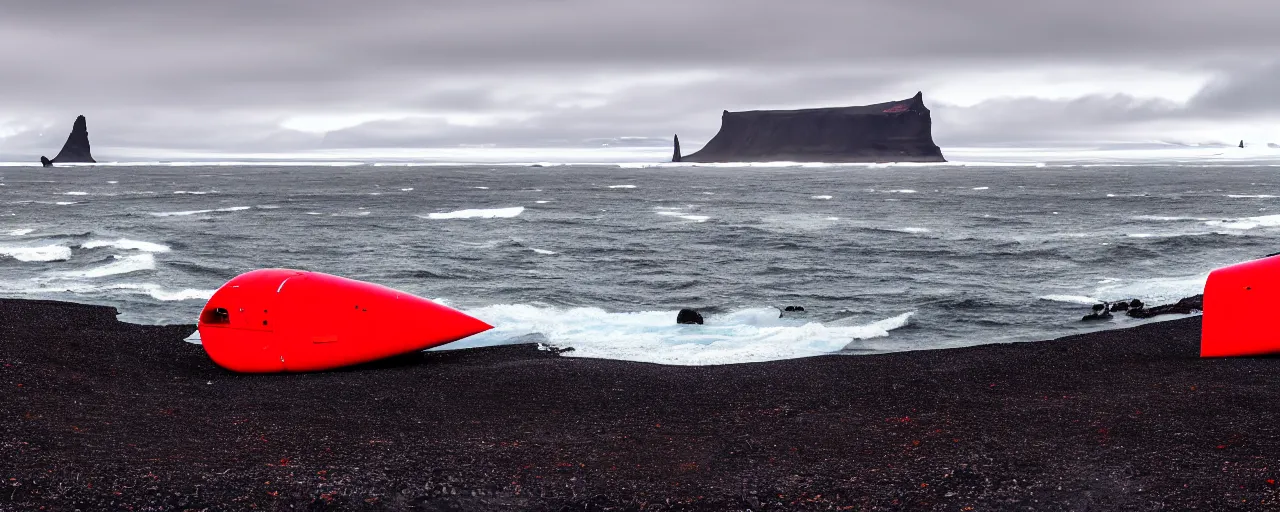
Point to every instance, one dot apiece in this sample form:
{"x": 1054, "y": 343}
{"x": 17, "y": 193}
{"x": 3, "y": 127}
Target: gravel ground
{"x": 101, "y": 415}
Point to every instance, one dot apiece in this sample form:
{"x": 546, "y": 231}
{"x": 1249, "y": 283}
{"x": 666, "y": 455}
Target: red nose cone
{"x": 454, "y": 325}
{"x": 278, "y": 320}
{"x": 1240, "y": 302}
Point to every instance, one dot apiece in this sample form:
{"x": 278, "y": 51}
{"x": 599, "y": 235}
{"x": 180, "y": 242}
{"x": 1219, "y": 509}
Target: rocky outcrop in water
{"x": 1100, "y": 312}
{"x": 1136, "y": 309}
{"x": 689, "y": 317}
{"x": 1185, "y": 306}
{"x": 76, "y": 150}
{"x": 897, "y": 131}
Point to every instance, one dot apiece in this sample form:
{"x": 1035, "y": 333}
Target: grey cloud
{"x": 1024, "y": 120}
{"x": 1250, "y": 90}
{"x": 225, "y": 75}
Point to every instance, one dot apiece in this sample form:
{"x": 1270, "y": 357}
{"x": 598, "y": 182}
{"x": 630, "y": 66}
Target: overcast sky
{"x": 279, "y": 77}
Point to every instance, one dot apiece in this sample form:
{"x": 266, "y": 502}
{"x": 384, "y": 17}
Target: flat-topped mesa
{"x": 896, "y": 131}
{"x": 76, "y": 150}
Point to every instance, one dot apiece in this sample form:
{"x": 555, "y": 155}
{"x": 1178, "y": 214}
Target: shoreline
{"x": 100, "y": 414}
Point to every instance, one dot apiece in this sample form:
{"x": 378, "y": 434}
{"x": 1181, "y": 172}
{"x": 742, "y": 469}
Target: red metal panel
{"x": 1240, "y": 314}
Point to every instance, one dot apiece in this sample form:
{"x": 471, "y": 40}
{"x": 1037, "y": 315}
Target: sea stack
{"x": 896, "y": 131}
{"x": 76, "y": 150}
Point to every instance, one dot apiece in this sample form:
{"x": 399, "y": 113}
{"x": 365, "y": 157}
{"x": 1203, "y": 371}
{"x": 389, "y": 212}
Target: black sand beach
{"x": 101, "y": 415}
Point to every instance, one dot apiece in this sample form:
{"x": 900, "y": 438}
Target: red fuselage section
{"x": 280, "y": 320}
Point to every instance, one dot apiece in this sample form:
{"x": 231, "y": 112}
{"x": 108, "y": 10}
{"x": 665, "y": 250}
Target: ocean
{"x": 600, "y": 258}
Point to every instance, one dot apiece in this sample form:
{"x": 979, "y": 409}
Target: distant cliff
{"x": 76, "y": 150}
{"x": 897, "y": 131}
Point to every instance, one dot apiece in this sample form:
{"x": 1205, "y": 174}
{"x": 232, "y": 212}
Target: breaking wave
{"x": 1264, "y": 221}
{"x": 494, "y": 213}
{"x": 748, "y": 335}
{"x": 42, "y": 253}
{"x": 121, "y": 265}
{"x": 126, "y": 244}
{"x": 196, "y": 212}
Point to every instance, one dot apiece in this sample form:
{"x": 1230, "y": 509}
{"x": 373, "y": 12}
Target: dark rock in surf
{"x": 1101, "y": 315}
{"x": 1185, "y": 306}
{"x": 1119, "y": 306}
{"x": 1136, "y": 304}
{"x": 791, "y": 311}
{"x": 897, "y": 131}
{"x": 76, "y": 149}
{"x": 689, "y": 317}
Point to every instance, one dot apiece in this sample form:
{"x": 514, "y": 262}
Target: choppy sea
{"x": 600, "y": 257}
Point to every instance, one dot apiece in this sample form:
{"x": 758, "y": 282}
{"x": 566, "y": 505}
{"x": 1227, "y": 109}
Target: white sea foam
{"x": 542, "y": 202}
{"x": 901, "y": 191}
{"x": 65, "y": 203}
{"x": 493, "y": 213}
{"x": 20, "y": 232}
{"x": 819, "y": 197}
{"x": 197, "y": 212}
{"x": 153, "y": 290}
{"x": 653, "y": 336}
{"x": 913, "y": 230}
{"x": 682, "y": 215}
{"x": 542, "y": 251}
{"x": 159, "y": 293}
{"x": 195, "y": 192}
{"x": 981, "y": 188}
{"x": 482, "y": 188}
{"x": 409, "y": 189}
{"x": 1167, "y": 235}
{"x": 1251, "y": 196}
{"x": 41, "y": 253}
{"x": 1264, "y": 221}
{"x": 1163, "y": 218}
{"x": 75, "y": 193}
{"x": 1073, "y": 299}
{"x": 1159, "y": 290}
{"x": 126, "y": 244}
{"x": 622, "y": 186}
{"x": 121, "y": 265}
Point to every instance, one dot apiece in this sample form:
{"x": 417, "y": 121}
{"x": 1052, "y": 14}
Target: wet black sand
{"x": 99, "y": 415}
